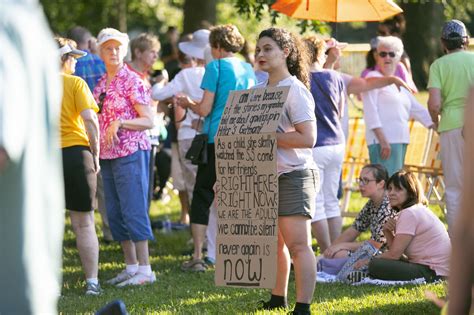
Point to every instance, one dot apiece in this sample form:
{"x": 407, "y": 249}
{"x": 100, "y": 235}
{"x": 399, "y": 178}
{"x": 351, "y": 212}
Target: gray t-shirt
{"x": 298, "y": 108}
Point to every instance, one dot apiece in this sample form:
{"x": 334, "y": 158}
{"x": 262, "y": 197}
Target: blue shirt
{"x": 327, "y": 88}
{"x": 90, "y": 68}
{"x": 221, "y": 77}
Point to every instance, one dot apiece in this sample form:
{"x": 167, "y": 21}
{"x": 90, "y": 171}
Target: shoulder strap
{"x": 215, "y": 94}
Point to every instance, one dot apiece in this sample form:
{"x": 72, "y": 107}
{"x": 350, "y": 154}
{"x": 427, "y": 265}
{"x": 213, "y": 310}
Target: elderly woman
{"x": 125, "y": 114}
{"x": 224, "y": 74}
{"x": 80, "y": 149}
{"x": 387, "y": 111}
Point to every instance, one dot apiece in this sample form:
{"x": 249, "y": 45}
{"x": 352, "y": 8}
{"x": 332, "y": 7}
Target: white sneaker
{"x": 138, "y": 279}
{"x": 121, "y": 277}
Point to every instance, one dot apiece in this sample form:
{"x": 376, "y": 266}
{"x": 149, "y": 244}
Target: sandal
{"x": 194, "y": 265}
{"x": 356, "y": 276}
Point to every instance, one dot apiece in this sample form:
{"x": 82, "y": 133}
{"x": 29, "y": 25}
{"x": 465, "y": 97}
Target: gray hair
{"x": 392, "y": 42}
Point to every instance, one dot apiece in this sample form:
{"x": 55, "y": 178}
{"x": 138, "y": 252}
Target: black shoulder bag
{"x": 197, "y": 153}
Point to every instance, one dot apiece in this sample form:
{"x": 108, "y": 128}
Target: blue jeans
{"x": 126, "y": 196}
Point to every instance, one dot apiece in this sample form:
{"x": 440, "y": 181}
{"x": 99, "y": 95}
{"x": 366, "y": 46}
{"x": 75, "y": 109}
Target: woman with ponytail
{"x": 284, "y": 56}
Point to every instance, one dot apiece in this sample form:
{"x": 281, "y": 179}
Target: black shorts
{"x": 80, "y": 179}
{"x": 203, "y": 193}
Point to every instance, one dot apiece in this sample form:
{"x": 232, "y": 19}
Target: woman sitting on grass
{"x": 417, "y": 233}
{"x": 373, "y": 215}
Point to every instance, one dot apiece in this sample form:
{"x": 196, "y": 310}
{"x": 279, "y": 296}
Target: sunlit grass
{"x": 176, "y": 292}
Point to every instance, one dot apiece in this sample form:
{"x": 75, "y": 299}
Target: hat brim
{"x": 77, "y": 53}
{"x": 67, "y": 49}
{"x": 122, "y": 40}
{"x": 192, "y": 50}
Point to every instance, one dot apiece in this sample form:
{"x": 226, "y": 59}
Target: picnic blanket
{"x": 323, "y": 277}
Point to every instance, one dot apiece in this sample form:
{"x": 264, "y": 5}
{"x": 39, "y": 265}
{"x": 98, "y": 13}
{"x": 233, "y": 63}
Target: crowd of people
{"x": 113, "y": 110}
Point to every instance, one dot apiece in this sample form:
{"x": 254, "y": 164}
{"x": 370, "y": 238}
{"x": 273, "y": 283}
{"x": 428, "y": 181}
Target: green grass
{"x": 186, "y": 293}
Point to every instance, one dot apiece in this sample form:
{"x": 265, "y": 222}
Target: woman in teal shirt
{"x": 224, "y": 74}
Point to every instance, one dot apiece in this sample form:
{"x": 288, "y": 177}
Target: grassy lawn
{"x": 185, "y": 293}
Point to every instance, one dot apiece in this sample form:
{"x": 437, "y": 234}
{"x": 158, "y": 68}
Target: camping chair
{"x": 430, "y": 172}
{"x": 356, "y": 157}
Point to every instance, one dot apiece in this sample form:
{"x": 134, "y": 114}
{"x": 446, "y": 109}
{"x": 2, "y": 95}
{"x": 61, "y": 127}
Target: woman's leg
{"x": 86, "y": 240}
{"x": 129, "y": 252}
{"x": 283, "y": 267}
{"x": 387, "y": 269}
{"x": 296, "y": 233}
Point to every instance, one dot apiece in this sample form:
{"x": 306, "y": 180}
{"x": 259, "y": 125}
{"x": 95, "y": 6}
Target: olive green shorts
{"x": 297, "y": 192}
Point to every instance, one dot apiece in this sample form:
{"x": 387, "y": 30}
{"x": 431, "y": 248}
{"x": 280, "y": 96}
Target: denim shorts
{"x": 126, "y": 196}
{"x": 297, "y": 192}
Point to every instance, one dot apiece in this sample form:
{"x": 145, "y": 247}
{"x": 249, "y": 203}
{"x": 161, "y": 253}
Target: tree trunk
{"x": 122, "y": 15}
{"x": 197, "y": 13}
{"x": 422, "y": 37}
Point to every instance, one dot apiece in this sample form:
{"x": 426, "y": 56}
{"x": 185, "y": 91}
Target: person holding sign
{"x": 224, "y": 74}
{"x": 284, "y": 56}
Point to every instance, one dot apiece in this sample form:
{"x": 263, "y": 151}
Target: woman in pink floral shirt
{"x": 124, "y": 115}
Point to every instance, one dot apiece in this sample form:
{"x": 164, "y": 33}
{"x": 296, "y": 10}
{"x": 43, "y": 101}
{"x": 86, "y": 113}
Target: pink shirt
{"x": 430, "y": 245}
{"x": 125, "y": 90}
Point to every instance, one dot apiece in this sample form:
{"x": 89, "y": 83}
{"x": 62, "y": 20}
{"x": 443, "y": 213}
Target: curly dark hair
{"x": 298, "y": 59}
{"x": 226, "y": 37}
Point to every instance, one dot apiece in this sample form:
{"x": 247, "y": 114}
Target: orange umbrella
{"x": 338, "y": 10}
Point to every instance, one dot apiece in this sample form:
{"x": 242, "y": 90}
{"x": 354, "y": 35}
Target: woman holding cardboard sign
{"x": 224, "y": 74}
{"x": 285, "y": 58}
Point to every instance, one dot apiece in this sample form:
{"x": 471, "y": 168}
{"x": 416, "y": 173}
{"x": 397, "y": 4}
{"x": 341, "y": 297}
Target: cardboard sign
{"x": 247, "y": 200}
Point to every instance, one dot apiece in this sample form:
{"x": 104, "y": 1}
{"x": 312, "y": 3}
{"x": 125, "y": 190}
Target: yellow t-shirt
{"x": 76, "y": 98}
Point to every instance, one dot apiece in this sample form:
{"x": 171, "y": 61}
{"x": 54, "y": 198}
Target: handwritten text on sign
{"x": 253, "y": 111}
{"x": 247, "y": 200}
{"x": 247, "y": 203}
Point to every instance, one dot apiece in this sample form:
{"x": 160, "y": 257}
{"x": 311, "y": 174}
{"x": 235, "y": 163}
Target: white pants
{"x": 188, "y": 170}
{"x": 452, "y": 151}
{"x": 329, "y": 161}
{"x": 211, "y": 232}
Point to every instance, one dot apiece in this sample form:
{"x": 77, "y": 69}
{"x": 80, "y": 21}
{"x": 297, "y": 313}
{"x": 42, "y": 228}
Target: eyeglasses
{"x": 365, "y": 181}
{"x": 101, "y": 101}
{"x": 384, "y": 54}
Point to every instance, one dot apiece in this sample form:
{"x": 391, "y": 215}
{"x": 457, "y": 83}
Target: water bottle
{"x": 167, "y": 225}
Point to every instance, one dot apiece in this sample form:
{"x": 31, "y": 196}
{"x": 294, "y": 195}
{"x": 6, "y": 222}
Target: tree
{"x": 121, "y": 14}
{"x": 421, "y": 39}
{"x": 197, "y": 12}
{"x": 424, "y": 20}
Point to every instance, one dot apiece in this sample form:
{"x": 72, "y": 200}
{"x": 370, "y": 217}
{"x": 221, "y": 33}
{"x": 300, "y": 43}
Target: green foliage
{"x": 146, "y": 15}
{"x": 260, "y": 9}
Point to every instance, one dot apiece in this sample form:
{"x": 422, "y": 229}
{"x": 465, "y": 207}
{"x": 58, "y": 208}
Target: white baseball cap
{"x": 112, "y": 34}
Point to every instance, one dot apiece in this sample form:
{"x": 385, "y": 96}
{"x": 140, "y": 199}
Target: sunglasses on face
{"x": 101, "y": 101}
{"x": 364, "y": 181}
{"x": 384, "y": 54}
